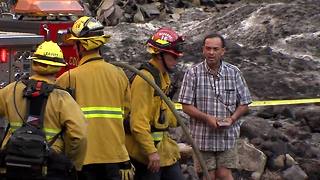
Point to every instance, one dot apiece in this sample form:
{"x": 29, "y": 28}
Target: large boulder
{"x": 250, "y": 158}
{"x": 312, "y": 116}
{"x": 311, "y": 167}
{"x": 294, "y": 173}
{"x": 255, "y": 127}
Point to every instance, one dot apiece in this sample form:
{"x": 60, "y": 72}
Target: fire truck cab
{"x": 28, "y": 24}
{"x": 50, "y": 19}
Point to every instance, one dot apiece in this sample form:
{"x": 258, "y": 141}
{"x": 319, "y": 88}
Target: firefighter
{"x": 102, "y": 91}
{"x": 153, "y": 153}
{"x": 63, "y": 121}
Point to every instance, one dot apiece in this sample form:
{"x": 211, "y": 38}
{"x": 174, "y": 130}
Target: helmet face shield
{"x": 91, "y": 27}
{"x": 89, "y": 32}
{"x": 87, "y": 27}
{"x": 178, "y": 46}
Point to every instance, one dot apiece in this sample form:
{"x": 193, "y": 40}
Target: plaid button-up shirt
{"x": 218, "y": 96}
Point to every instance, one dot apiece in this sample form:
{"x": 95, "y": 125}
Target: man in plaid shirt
{"x": 215, "y": 95}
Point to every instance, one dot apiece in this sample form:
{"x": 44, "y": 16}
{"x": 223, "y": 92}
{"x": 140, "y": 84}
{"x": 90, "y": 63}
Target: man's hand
{"x": 154, "y": 162}
{"x": 212, "y": 121}
{"x": 225, "y": 122}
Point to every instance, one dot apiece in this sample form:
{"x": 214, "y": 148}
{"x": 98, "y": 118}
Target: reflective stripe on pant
{"x": 172, "y": 172}
{"x": 157, "y": 136}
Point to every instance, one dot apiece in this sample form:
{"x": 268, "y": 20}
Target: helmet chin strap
{"x": 78, "y": 49}
{"x": 164, "y": 63}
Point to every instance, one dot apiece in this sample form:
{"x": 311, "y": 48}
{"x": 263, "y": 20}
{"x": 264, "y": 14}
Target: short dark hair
{"x": 214, "y": 35}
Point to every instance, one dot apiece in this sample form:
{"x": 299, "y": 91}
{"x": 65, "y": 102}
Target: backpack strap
{"x": 37, "y": 93}
{"x": 153, "y": 71}
{"x": 4, "y": 135}
{"x": 156, "y": 75}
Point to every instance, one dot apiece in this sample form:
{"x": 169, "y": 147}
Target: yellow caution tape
{"x": 284, "y": 102}
{"x": 272, "y": 102}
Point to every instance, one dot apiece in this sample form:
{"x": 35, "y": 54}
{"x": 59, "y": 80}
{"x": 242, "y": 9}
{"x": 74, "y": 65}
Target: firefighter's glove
{"x": 127, "y": 171}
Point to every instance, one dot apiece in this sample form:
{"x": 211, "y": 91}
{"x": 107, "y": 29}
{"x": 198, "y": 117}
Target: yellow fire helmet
{"x": 49, "y": 53}
{"x": 89, "y": 32}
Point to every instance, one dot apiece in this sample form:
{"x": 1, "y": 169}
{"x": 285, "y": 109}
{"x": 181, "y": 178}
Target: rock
{"x": 250, "y": 126}
{"x": 314, "y": 121}
{"x": 150, "y": 10}
{"x": 250, "y": 158}
{"x": 138, "y": 16}
{"x": 196, "y": 2}
{"x": 267, "y": 113}
{"x": 279, "y": 162}
{"x": 311, "y": 167}
{"x": 290, "y": 161}
{"x": 270, "y": 175}
{"x": 315, "y": 139}
{"x": 277, "y": 135}
{"x": 109, "y": 13}
{"x": 277, "y": 125}
{"x": 304, "y": 149}
{"x": 294, "y": 173}
{"x": 304, "y": 135}
{"x": 282, "y": 161}
{"x": 288, "y": 113}
{"x": 256, "y": 175}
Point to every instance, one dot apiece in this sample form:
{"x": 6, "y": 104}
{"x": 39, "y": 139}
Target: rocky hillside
{"x": 276, "y": 45}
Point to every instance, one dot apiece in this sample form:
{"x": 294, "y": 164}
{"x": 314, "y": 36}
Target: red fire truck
{"x": 15, "y": 48}
{"x": 46, "y": 20}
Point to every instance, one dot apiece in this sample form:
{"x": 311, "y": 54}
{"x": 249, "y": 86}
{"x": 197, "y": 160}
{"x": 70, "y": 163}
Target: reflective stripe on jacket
{"x": 61, "y": 111}
{"x": 102, "y": 91}
{"x": 107, "y": 112}
{"x": 145, "y": 113}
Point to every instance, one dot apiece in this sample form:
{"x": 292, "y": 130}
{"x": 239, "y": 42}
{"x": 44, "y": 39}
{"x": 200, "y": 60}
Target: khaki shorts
{"x": 228, "y": 159}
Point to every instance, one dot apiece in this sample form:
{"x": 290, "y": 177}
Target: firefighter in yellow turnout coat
{"x": 153, "y": 153}
{"x": 102, "y": 91}
{"x": 61, "y": 111}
